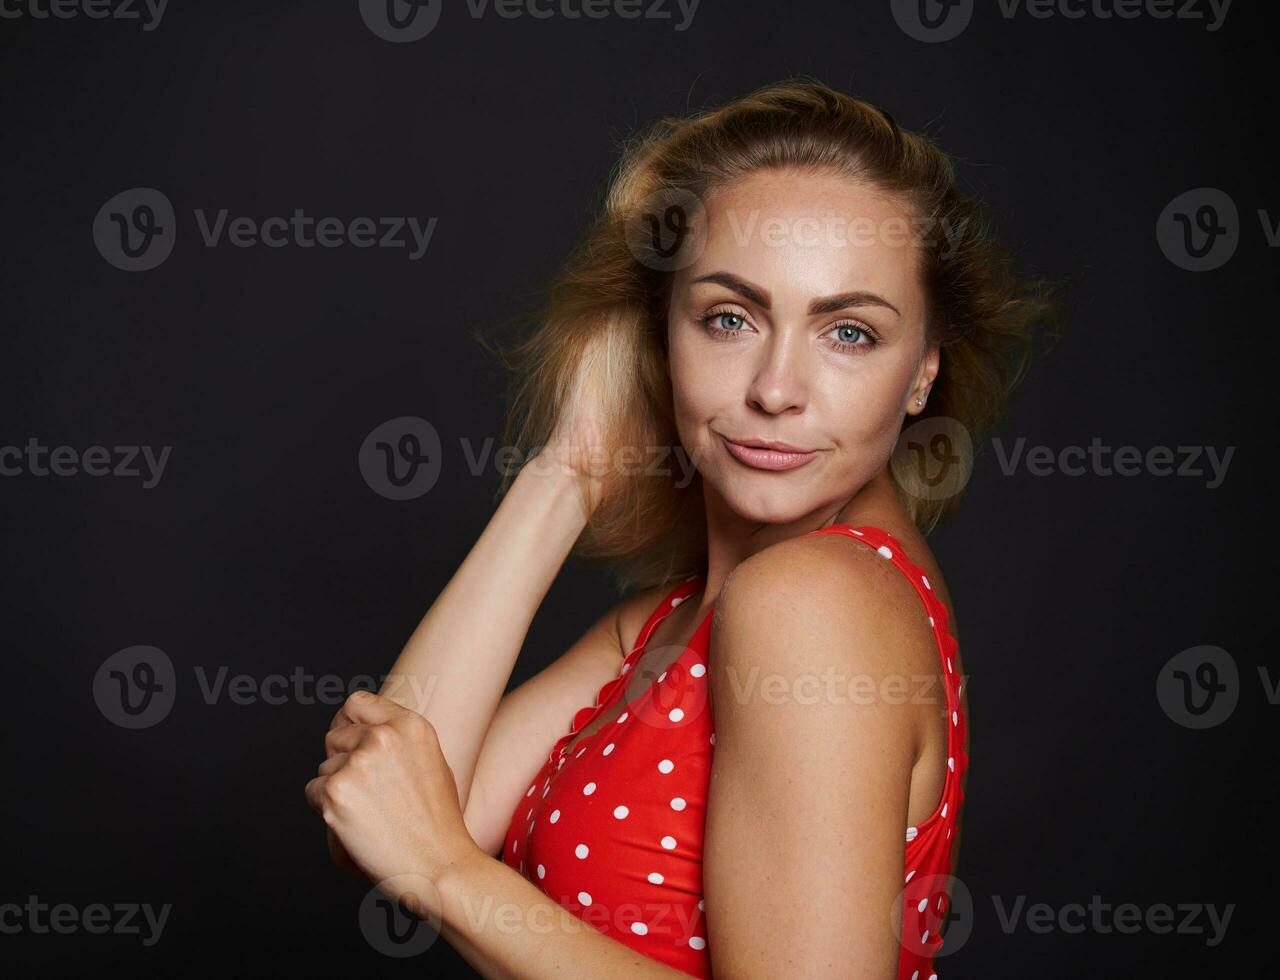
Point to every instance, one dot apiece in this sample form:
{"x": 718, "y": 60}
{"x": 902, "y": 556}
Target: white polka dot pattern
{"x": 626, "y": 812}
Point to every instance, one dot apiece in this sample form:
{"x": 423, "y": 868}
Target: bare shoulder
{"x": 830, "y": 589}
{"x": 805, "y": 633}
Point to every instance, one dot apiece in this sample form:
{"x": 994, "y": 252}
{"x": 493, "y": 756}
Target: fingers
{"x": 363, "y": 715}
{"x": 333, "y": 763}
{"x": 338, "y": 720}
{"x": 343, "y": 739}
{"x": 366, "y": 708}
{"x": 314, "y": 792}
{"x": 360, "y": 713}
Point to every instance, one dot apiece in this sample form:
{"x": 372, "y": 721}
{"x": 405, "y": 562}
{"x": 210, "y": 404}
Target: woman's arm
{"x": 811, "y": 778}
{"x": 455, "y": 667}
{"x": 532, "y": 716}
{"x": 507, "y": 929}
{"x": 388, "y": 794}
{"x": 794, "y": 781}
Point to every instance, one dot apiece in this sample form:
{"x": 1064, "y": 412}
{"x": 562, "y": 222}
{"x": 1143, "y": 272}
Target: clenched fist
{"x": 387, "y": 794}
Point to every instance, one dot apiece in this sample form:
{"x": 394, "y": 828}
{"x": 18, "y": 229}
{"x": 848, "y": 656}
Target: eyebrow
{"x": 825, "y": 304}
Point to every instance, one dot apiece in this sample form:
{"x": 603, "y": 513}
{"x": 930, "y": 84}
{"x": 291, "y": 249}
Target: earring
{"x": 919, "y": 402}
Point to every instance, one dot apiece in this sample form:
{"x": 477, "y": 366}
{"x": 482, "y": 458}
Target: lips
{"x": 781, "y": 447}
{"x": 768, "y": 454}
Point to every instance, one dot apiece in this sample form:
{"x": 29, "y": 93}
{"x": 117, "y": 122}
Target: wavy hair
{"x": 608, "y": 303}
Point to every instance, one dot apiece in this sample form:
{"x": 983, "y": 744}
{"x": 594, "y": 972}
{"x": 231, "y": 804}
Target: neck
{"x": 732, "y": 539}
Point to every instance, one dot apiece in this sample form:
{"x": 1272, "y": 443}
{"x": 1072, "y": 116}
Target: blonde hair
{"x": 609, "y": 305}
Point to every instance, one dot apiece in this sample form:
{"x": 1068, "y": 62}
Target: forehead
{"x": 802, "y": 235}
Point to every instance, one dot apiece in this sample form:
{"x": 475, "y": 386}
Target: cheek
{"x": 865, "y": 417}
{"x": 694, "y": 381}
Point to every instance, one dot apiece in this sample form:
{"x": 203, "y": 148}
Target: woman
{"x": 767, "y": 777}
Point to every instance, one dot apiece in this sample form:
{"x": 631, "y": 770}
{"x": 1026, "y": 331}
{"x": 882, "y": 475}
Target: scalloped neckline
{"x": 605, "y": 695}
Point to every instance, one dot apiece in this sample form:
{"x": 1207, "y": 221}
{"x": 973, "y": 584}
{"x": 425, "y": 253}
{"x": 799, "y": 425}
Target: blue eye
{"x": 860, "y": 332}
{"x": 727, "y": 324}
{"x": 724, "y": 318}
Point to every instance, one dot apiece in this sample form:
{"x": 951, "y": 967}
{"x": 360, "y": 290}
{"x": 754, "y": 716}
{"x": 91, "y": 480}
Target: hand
{"x": 336, "y": 851}
{"x": 577, "y": 446}
{"x": 387, "y": 794}
{"x": 340, "y": 856}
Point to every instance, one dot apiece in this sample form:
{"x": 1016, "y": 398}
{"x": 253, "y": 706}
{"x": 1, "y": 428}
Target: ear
{"x": 925, "y": 376}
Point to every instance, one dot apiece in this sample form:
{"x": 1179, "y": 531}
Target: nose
{"x": 780, "y": 383}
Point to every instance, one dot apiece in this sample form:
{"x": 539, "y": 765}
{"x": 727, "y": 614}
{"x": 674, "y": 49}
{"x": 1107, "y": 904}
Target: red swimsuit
{"x": 614, "y": 831}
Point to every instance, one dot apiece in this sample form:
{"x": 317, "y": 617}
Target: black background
{"x": 263, "y": 550}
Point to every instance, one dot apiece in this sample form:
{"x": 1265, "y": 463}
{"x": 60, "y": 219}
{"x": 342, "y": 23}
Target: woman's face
{"x": 801, "y": 321}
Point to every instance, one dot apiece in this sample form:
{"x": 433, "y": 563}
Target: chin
{"x": 766, "y": 505}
